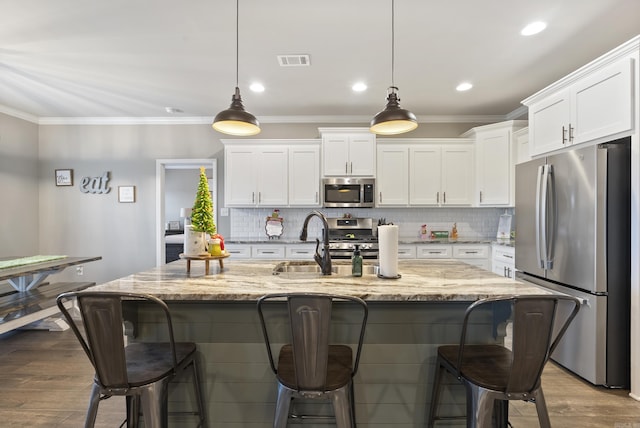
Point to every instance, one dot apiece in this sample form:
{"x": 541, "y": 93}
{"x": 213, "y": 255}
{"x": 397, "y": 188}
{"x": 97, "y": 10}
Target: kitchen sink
{"x": 310, "y": 268}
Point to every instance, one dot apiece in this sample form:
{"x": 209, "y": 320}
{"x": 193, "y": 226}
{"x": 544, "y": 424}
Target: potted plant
{"x": 195, "y": 239}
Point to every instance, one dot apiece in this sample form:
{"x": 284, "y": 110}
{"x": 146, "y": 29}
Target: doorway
{"x": 162, "y": 165}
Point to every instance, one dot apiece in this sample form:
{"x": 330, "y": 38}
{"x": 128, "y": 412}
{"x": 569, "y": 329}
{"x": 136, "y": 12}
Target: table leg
{"x": 221, "y": 265}
{"x": 188, "y": 266}
{"x": 206, "y": 267}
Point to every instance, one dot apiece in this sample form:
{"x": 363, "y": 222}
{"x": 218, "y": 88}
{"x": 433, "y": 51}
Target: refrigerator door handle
{"x": 550, "y": 223}
{"x": 539, "y": 220}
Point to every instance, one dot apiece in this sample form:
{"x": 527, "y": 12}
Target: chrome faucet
{"x": 324, "y": 260}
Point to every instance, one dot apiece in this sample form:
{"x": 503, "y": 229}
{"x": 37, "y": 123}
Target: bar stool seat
{"x": 139, "y": 371}
{"x": 494, "y": 374}
{"x": 309, "y": 366}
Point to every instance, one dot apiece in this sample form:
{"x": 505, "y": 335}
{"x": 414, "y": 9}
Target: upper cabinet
{"x": 496, "y": 155}
{"x": 272, "y": 173}
{"x": 348, "y": 152}
{"x": 591, "y": 104}
{"x": 425, "y": 172}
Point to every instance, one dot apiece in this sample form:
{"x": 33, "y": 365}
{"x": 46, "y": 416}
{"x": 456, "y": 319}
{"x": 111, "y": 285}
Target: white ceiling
{"x": 117, "y": 58}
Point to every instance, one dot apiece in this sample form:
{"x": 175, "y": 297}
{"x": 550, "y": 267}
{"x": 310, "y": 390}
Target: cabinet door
{"x": 457, "y": 175}
{"x": 240, "y": 177}
{"x": 304, "y": 176}
{"x": 549, "y": 124}
{"x": 273, "y": 177}
{"x": 433, "y": 251}
{"x": 424, "y": 175}
{"x": 603, "y": 102}
{"x": 335, "y": 155}
{"x": 521, "y": 138}
{"x": 493, "y": 160}
{"x": 392, "y": 180}
{"x": 362, "y": 149}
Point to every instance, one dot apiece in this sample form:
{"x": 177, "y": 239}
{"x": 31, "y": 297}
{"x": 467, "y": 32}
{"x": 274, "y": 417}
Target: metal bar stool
{"x": 139, "y": 371}
{"x": 309, "y": 366}
{"x": 493, "y": 374}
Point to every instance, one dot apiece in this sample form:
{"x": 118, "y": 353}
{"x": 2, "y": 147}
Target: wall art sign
{"x": 95, "y": 184}
{"x": 126, "y": 193}
{"x": 64, "y": 177}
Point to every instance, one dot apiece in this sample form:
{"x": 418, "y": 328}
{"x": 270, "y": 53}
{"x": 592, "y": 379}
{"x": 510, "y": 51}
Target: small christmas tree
{"x": 202, "y": 212}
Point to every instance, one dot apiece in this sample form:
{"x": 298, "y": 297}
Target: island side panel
{"x": 392, "y": 387}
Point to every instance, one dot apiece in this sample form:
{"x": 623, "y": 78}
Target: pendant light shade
{"x": 393, "y": 119}
{"x": 236, "y": 120}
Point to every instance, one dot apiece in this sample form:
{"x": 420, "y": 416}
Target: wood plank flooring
{"x": 45, "y": 380}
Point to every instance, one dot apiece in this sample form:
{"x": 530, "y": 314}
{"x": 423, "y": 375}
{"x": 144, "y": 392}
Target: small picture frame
{"x": 64, "y": 177}
{"x": 126, "y": 194}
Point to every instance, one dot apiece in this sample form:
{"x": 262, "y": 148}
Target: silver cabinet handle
{"x": 346, "y": 167}
{"x": 571, "y": 128}
{"x": 316, "y": 197}
{"x": 481, "y": 196}
{"x": 267, "y": 252}
{"x": 380, "y": 197}
{"x": 253, "y": 197}
{"x": 508, "y": 256}
{"x": 437, "y": 197}
{"x": 444, "y": 197}
{"x": 504, "y": 270}
{"x": 471, "y": 252}
{"x": 351, "y": 172}
{"x": 564, "y": 135}
{"x": 259, "y": 197}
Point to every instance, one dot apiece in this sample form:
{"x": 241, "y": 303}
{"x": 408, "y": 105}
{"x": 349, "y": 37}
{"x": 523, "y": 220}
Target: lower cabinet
{"x": 271, "y": 251}
{"x": 503, "y": 261}
{"x": 301, "y": 251}
{"x": 238, "y": 251}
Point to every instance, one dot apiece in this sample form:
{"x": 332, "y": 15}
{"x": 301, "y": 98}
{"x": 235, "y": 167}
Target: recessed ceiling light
{"x": 464, "y": 86}
{"x": 257, "y": 87}
{"x": 533, "y": 28}
{"x": 359, "y": 87}
{"x": 173, "y": 110}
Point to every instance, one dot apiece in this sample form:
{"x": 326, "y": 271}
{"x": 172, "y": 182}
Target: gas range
{"x": 346, "y": 233}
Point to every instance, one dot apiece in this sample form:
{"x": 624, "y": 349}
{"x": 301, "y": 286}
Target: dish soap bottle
{"x": 356, "y": 262}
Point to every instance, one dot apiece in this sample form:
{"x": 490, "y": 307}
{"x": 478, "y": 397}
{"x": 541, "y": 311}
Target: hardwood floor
{"x": 45, "y": 380}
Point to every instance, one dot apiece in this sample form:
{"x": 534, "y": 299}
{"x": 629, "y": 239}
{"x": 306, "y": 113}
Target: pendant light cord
{"x": 393, "y": 43}
{"x": 237, "y": 39}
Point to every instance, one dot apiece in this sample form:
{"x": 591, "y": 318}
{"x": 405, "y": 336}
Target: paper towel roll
{"x": 388, "y": 250}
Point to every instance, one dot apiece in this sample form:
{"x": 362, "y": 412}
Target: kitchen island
{"x": 409, "y": 317}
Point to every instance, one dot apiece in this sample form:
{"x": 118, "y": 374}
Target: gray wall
{"x": 19, "y": 187}
{"x": 79, "y": 224}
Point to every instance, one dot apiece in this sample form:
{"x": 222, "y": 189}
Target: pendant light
{"x": 236, "y": 120}
{"x": 393, "y": 119}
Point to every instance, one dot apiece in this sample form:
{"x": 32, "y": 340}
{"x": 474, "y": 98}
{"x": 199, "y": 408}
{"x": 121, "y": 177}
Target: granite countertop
{"x": 247, "y": 280}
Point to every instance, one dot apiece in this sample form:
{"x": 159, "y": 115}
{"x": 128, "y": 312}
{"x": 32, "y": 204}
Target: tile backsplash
{"x": 471, "y": 222}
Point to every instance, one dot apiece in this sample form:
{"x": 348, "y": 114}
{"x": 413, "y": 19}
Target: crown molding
{"x": 200, "y": 120}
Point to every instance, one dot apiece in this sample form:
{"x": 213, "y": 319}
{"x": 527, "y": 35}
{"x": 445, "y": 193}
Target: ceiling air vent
{"x": 294, "y": 60}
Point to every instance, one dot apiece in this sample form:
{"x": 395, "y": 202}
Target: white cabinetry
{"x": 424, "y": 171}
{"x": 433, "y": 251}
{"x": 348, "y": 152}
{"x": 300, "y": 251}
{"x": 406, "y": 251}
{"x": 392, "y": 178}
{"x": 473, "y": 254}
{"x": 521, "y": 138}
{"x": 256, "y": 176}
{"x": 503, "y": 261}
{"x": 495, "y": 162}
{"x": 238, "y": 251}
{"x": 267, "y": 251}
{"x": 272, "y": 173}
{"x": 595, "y": 101}
{"x": 304, "y": 176}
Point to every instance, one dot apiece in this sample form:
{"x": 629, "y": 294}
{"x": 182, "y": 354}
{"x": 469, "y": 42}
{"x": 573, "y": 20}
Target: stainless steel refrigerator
{"x": 573, "y": 235}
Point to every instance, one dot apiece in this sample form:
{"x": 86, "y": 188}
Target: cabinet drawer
{"x": 300, "y": 251}
{"x": 406, "y": 251}
{"x": 239, "y": 251}
{"x": 461, "y": 251}
{"x": 267, "y": 252}
{"x": 503, "y": 254}
{"x": 429, "y": 251}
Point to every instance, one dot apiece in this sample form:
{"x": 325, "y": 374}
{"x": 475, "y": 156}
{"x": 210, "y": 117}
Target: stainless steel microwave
{"x": 348, "y": 192}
